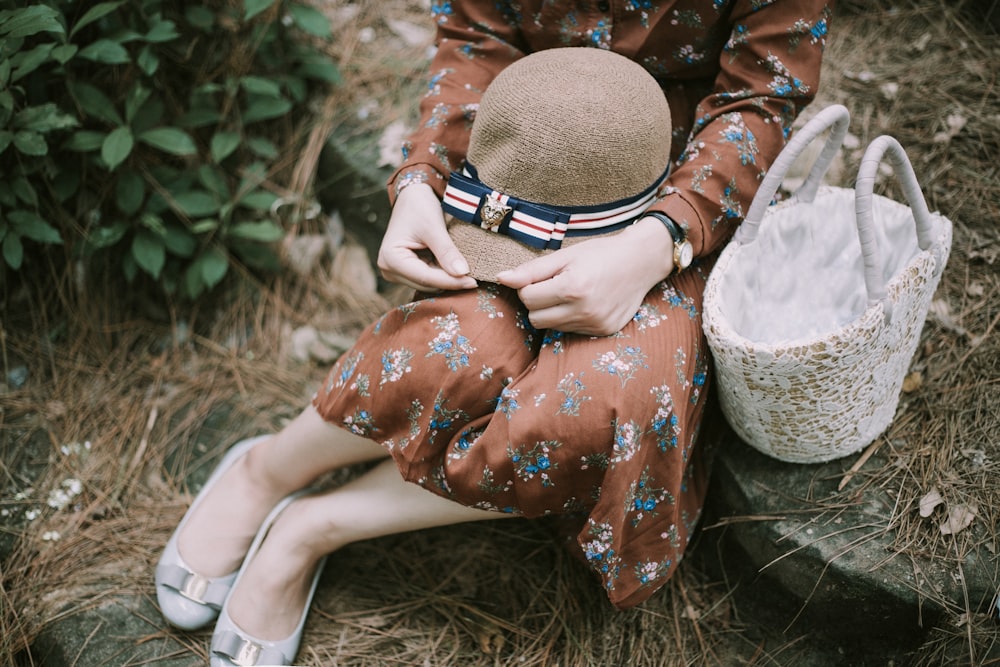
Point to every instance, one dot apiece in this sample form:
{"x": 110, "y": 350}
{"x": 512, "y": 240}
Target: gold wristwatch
{"x": 683, "y": 250}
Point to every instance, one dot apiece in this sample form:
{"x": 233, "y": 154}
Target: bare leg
{"x": 217, "y": 535}
{"x": 269, "y": 598}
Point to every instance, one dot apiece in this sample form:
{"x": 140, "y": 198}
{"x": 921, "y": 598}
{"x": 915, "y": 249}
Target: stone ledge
{"x": 808, "y": 557}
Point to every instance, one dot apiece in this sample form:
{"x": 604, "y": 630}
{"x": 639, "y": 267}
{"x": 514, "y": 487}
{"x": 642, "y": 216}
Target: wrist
{"x": 681, "y": 251}
{"x": 653, "y": 247}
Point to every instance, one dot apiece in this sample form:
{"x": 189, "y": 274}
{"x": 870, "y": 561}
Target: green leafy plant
{"x": 145, "y": 134}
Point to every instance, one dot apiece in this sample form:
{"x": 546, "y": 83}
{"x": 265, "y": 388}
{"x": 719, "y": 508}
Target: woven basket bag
{"x": 814, "y": 309}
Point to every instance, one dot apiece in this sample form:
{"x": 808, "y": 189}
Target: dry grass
{"x": 157, "y": 401}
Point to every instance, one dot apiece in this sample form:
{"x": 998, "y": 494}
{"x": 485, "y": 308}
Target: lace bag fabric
{"x": 814, "y": 309}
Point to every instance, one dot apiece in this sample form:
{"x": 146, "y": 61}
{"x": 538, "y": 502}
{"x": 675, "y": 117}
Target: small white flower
{"x": 50, "y": 536}
{"x": 31, "y": 515}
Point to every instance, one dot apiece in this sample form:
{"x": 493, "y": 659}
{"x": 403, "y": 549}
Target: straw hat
{"x": 567, "y": 144}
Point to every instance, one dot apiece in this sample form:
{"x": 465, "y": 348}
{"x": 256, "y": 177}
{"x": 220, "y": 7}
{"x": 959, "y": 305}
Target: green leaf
{"x": 321, "y": 68}
{"x": 263, "y": 108}
{"x": 310, "y": 20}
{"x": 196, "y": 203}
{"x": 214, "y": 179}
{"x": 62, "y": 53}
{"x": 13, "y": 251}
{"x": 104, "y": 237}
{"x": 5, "y": 68}
{"x": 24, "y": 191}
{"x": 257, "y": 85}
{"x": 30, "y": 143}
{"x": 44, "y": 118}
{"x": 200, "y": 117}
{"x": 148, "y": 61}
{"x": 117, "y": 146}
{"x": 30, "y": 225}
{"x": 200, "y": 17}
{"x": 253, "y": 7}
{"x": 262, "y": 147}
{"x": 5, "y": 140}
{"x": 149, "y": 252}
{"x": 149, "y": 115}
{"x": 213, "y": 265}
{"x": 162, "y": 31}
{"x": 28, "y": 61}
{"x": 260, "y": 200}
{"x": 130, "y": 190}
{"x": 85, "y": 141}
{"x": 31, "y": 21}
{"x": 137, "y": 96}
{"x": 106, "y": 51}
{"x": 205, "y": 226}
{"x": 153, "y": 223}
{"x": 66, "y": 183}
{"x": 94, "y": 13}
{"x": 94, "y": 102}
{"x": 263, "y": 231}
{"x": 170, "y": 140}
{"x": 179, "y": 241}
{"x": 223, "y": 145}
{"x": 194, "y": 285}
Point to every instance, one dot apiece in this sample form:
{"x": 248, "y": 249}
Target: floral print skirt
{"x": 476, "y": 405}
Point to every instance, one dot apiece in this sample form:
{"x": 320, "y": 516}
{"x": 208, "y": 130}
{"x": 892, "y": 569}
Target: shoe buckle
{"x": 195, "y": 587}
{"x": 248, "y": 653}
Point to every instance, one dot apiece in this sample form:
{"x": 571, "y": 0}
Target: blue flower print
{"x": 623, "y": 363}
{"x": 643, "y": 498}
{"x": 395, "y": 364}
{"x": 572, "y": 389}
{"x": 450, "y": 343}
{"x": 360, "y": 423}
{"x": 534, "y": 462}
{"x": 650, "y": 572}
{"x": 600, "y": 36}
{"x": 441, "y": 10}
{"x": 507, "y": 402}
{"x": 664, "y": 425}
{"x": 601, "y": 554}
{"x": 737, "y": 133}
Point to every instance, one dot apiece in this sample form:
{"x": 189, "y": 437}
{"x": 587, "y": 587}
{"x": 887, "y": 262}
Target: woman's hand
{"x": 594, "y": 287}
{"x": 416, "y": 249}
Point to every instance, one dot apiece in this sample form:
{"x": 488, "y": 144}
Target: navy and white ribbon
{"x": 537, "y": 225}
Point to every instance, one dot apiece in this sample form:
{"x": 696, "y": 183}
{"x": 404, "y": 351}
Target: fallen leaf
{"x": 959, "y": 518}
{"x": 975, "y": 289}
{"x": 940, "y": 312}
{"x": 352, "y": 268}
{"x": 930, "y": 500}
{"x": 912, "y": 382}
{"x": 390, "y": 144}
{"x": 411, "y": 33}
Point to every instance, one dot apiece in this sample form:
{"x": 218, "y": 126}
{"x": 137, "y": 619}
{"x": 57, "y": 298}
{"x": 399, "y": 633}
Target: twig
{"x": 867, "y": 454}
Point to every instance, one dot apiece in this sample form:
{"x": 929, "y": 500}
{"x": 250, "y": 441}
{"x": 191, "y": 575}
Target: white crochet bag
{"x": 814, "y": 309}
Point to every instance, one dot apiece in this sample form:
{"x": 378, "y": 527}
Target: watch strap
{"x": 676, "y": 233}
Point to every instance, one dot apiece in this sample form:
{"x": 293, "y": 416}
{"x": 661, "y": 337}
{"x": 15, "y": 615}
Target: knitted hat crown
{"x": 566, "y": 127}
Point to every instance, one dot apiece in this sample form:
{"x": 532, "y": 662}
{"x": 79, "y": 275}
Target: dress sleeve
{"x": 769, "y": 71}
{"x": 475, "y": 41}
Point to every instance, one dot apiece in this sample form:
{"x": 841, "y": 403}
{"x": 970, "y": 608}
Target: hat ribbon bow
{"x": 539, "y": 226}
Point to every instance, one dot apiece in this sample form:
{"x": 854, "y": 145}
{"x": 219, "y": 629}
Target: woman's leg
{"x": 217, "y": 535}
{"x": 269, "y": 598}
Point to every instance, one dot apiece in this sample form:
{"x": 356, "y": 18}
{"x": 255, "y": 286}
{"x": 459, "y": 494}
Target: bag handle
{"x": 886, "y": 147}
{"x": 836, "y": 116}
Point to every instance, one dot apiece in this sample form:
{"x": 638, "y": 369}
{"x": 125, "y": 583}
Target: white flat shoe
{"x": 187, "y": 599}
{"x": 231, "y": 646}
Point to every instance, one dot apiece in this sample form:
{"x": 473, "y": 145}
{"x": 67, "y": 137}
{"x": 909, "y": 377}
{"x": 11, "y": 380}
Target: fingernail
{"x": 460, "y": 268}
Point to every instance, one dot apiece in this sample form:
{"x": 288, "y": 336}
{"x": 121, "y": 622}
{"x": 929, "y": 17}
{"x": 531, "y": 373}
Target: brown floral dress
{"x": 475, "y": 404}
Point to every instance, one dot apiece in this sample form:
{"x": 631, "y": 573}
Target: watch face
{"x": 684, "y": 255}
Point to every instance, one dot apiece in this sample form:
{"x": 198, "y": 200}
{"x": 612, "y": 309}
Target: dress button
{"x": 603, "y": 5}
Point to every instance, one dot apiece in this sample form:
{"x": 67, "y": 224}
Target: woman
{"x": 571, "y": 380}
